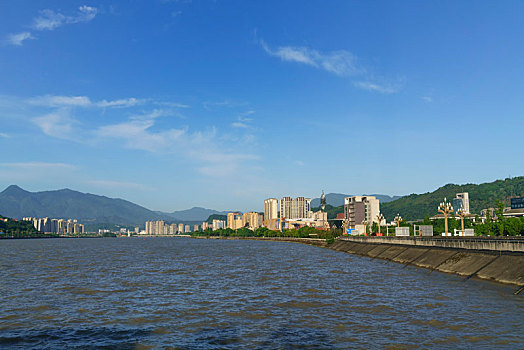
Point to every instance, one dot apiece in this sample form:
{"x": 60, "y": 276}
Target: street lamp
{"x": 462, "y": 214}
{"x": 398, "y": 219}
{"x": 345, "y": 224}
{"x": 445, "y": 208}
{"x": 379, "y": 217}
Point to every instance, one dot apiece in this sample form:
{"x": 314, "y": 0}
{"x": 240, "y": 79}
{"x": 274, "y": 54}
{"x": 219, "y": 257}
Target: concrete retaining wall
{"x": 504, "y": 267}
{"x": 508, "y": 244}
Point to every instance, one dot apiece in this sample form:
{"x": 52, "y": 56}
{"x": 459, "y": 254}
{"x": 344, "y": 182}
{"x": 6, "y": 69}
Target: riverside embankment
{"x": 310, "y": 241}
{"x": 496, "y": 259}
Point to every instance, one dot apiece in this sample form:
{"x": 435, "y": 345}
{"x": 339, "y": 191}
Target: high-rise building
{"x": 252, "y": 220}
{"x": 181, "y": 228}
{"x": 234, "y": 220}
{"x": 461, "y": 201}
{"x": 187, "y": 228}
{"x": 359, "y": 210}
{"x": 218, "y": 224}
{"x": 270, "y": 211}
{"x": 296, "y": 208}
{"x": 195, "y": 228}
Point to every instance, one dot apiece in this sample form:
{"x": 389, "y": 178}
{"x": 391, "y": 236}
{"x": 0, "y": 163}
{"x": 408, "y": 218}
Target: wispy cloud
{"x": 83, "y": 101}
{"x": 385, "y": 88}
{"x": 210, "y": 105}
{"x": 17, "y": 39}
{"x": 82, "y": 119}
{"x": 342, "y": 63}
{"x": 38, "y": 165}
{"x": 239, "y": 125}
{"x": 50, "y": 20}
{"x": 57, "y": 124}
{"x": 210, "y": 155}
{"x": 60, "y": 101}
{"x": 122, "y": 103}
{"x": 138, "y": 134}
{"x": 243, "y": 120}
{"x": 427, "y": 99}
{"x": 4, "y": 135}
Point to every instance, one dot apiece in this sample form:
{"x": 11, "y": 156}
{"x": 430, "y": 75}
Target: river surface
{"x": 182, "y": 293}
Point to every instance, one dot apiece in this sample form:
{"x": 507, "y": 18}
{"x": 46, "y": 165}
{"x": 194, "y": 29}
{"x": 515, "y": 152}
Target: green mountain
{"x": 486, "y": 195}
{"x": 10, "y": 226}
{"x": 87, "y": 208}
{"x": 417, "y": 206}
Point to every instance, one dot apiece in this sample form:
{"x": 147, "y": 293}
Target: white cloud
{"x": 18, "y": 38}
{"x": 386, "y": 88}
{"x": 4, "y": 135}
{"x": 240, "y": 125}
{"x": 84, "y": 101}
{"x": 57, "y": 124}
{"x": 126, "y": 102}
{"x": 60, "y": 101}
{"x": 38, "y": 165}
{"x": 50, "y": 20}
{"x": 138, "y": 135}
{"x": 341, "y": 62}
{"x": 428, "y": 99}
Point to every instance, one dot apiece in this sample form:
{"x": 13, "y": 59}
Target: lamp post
{"x": 398, "y": 219}
{"x": 462, "y": 214}
{"x": 345, "y": 223}
{"x": 445, "y": 208}
{"x": 379, "y": 217}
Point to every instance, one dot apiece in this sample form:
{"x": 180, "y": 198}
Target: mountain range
{"x": 16, "y": 202}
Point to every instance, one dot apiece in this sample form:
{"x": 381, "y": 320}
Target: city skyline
{"x": 176, "y": 104}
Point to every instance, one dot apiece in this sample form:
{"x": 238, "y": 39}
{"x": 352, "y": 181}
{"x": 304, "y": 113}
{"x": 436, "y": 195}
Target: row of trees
{"x": 10, "y": 228}
{"x": 303, "y": 232}
{"x": 500, "y": 226}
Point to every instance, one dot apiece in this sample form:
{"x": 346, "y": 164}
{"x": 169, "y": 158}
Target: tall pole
{"x": 445, "y": 208}
{"x": 398, "y": 219}
{"x": 462, "y": 214}
{"x": 379, "y": 217}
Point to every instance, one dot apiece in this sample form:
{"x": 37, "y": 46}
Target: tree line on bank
{"x": 10, "y": 228}
{"x": 303, "y": 232}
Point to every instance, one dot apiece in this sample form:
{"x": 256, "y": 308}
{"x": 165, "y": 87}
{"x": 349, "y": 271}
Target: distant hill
{"x": 193, "y": 214}
{"x": 88, "y": 208}
{"x": 417, "y": 206}
{"x": 485, "y": 195}
{"x": 337, "y": 199}
{"x": 216, "y": 217}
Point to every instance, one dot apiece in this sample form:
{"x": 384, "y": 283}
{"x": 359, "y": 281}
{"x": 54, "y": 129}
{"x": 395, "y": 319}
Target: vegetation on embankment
{"x": 10, "y": 228}
{"x": 303, "y": 232}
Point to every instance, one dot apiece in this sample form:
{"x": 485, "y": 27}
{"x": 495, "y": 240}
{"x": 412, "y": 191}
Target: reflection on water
{"x": 201, "y": 294}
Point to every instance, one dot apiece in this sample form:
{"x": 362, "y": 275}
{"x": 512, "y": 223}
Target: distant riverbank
{"x": 310, "y": 241}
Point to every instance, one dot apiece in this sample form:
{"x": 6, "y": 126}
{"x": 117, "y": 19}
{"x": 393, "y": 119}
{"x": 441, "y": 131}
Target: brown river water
{"x": 183, "y": 293}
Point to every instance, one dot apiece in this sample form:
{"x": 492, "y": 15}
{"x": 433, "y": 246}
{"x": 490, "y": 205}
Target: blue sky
{"x": 221, "y": 104}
